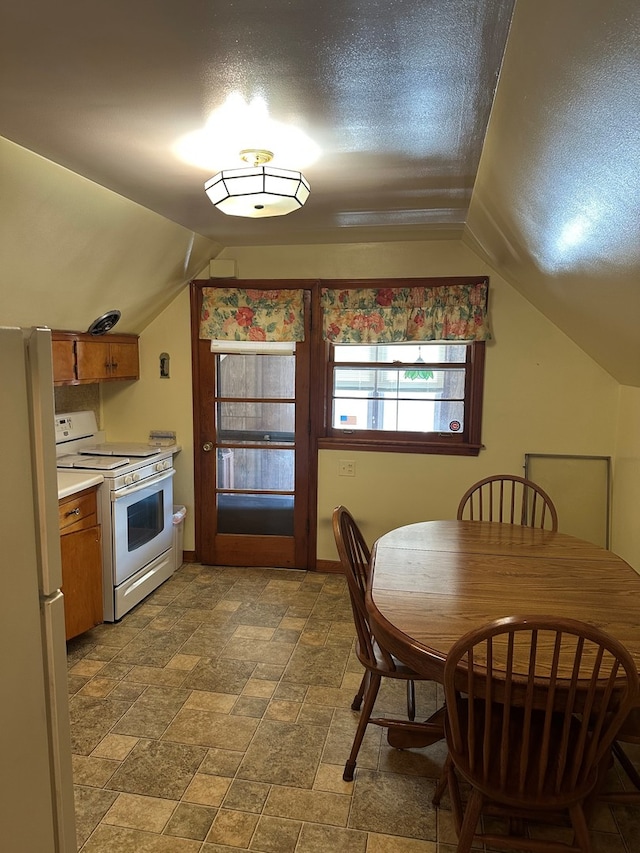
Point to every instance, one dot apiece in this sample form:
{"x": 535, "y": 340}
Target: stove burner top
{"x": 111, "y": 448}
{"x": 100, "y": 463}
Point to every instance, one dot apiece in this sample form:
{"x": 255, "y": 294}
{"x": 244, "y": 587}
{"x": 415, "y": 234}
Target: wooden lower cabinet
{"x": 81, "y": 552}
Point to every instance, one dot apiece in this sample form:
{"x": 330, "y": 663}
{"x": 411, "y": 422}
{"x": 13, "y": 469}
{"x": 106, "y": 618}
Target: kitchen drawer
{"x": 78, "y": 511}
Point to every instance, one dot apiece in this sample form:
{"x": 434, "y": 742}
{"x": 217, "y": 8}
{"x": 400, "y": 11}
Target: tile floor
{"x": 215, "y": 717}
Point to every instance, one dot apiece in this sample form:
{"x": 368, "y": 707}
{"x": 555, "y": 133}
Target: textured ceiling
{"x": 396, "y": 94}
{"x": 428, "y": 126}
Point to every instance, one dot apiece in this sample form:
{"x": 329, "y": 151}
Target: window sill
{"x": 434, "y": 448}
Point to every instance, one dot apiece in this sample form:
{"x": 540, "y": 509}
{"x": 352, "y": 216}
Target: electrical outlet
{"x": 346, "y": 468}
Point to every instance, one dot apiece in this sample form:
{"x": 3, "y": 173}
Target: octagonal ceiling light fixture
{"x": 259, "y": 189}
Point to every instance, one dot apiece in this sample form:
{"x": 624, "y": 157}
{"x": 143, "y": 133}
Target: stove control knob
{"x": 166, "y": 464}
{"x": 128, "y": 479}
{"x": 135, "y": 476}
{"x": 158, "y": 466}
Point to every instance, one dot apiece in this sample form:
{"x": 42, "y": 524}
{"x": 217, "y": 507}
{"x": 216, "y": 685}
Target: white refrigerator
{"x": 36, "y": 785}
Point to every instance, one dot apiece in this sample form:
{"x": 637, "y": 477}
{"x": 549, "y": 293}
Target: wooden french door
{"x": 252, "y": 455}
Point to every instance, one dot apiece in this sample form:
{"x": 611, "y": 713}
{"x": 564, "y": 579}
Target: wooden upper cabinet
{"x": 93, "y": 359}
{"x": 64, "y": 361}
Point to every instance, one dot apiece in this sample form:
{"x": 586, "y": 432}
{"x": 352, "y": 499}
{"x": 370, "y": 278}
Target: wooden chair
{"x": 510, "y": 499}
{"x": 629, "y": 732}
{"x": 378, "y": 663}
{"x": 532, "y": 711}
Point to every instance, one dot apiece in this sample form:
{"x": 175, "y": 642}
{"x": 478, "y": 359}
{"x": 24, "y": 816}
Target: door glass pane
{"x": 256, "y": 469}
{"x": 257, "y": 515}
{"x": 271, "y": 376}
{"x": 249, "y": 423}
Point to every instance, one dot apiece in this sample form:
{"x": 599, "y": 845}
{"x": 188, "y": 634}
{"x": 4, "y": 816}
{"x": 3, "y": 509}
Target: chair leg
{"x": 580, "y": 828}
{"x": 357, "y": 699}
{"x": 365, "y": 714}
{"x": 411, "y": 700}
{"x": 441, "y": 787}
{"x": 470, "y": 822}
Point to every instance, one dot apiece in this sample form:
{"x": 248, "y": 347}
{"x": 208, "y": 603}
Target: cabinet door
{"x": 81, "y": 580}
{"x": 93, "y": 360}
{"x": 63, "y": 361}
{"x": 124, "y": 360}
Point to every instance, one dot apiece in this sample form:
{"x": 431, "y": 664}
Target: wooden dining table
{"x": 433, "y": 581}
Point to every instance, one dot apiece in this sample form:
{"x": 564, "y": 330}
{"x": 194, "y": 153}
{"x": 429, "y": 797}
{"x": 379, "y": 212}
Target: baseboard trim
{"x": 189, "y": 557}
{"x": 331, "y": 566}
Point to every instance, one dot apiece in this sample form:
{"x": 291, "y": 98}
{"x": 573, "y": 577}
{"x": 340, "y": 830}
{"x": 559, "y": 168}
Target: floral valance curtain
{"x": 234, "y": 314}
{"x": 456, "y": 312}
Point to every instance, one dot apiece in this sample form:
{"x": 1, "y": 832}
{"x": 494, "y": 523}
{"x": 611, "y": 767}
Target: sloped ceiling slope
{"x": 556, "y": 204}
{"x": 72, "y": 250}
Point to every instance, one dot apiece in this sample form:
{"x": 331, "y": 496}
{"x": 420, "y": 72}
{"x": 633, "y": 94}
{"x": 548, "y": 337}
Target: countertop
{"x": 70, "y": 482}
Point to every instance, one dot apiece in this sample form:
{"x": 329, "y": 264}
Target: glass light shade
{"x": 257, "y": 191}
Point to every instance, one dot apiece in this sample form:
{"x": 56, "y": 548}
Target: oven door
{"x": 142, "y": 524}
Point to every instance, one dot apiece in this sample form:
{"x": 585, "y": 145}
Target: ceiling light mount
{"x": 257, "y": 190}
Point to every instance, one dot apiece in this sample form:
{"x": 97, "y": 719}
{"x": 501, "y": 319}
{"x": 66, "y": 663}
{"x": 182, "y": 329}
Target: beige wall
{"x": 539, "y": 390}
{"x": 626, "y": 478}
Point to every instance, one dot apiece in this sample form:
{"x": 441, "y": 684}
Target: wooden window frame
{"x": 467, "y": 443}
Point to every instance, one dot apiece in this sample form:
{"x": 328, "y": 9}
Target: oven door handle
{"x": 143, "y": 484}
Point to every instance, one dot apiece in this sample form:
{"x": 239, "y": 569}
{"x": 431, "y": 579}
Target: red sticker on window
{"x": 454, "y": 426}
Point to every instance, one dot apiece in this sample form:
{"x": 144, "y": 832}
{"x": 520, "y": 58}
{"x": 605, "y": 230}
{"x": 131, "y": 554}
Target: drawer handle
{"x": 75, "y": 511}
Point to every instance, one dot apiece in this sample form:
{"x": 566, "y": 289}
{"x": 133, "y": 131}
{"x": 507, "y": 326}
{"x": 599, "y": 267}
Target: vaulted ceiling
{"x": 510, "y": 124}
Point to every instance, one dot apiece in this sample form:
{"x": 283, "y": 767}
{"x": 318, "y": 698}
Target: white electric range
{"x": 135, "y": 508}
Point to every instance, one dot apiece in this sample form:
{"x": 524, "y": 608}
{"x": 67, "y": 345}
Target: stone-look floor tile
{"x": 290, "y": 623}
{"x": 268, "y": 671}
{"x": 221, "y": 762}
{"x": 87, "y": 667}
{"x": 155, "y": 675}
{"x": 75, "y": 683}
{"x": 251, "y": 613}
{"x": 246, "y": 796}
{"x": 316, "y": 806}
{"x": 116, "y": 747}
{"x": 233, "y": 828}
{"x": 107, "y": 839}
{"x": 91, "y": 804}
{"x": 255, "y": 632}
{"x": 220, "y": 676}
{"x": 283, "y": 710}
{"x": 291, "y": 692}
{"x": 243, "y": 649}
{"x": 321, "y": 666}
{"x": 316, "y": 838}
{"x": 158, "y": 769}
{"x": 207, "y": 790}
{"x": 91, "y": 771}
{"x": 283, "y": 754}
{"x": 150, "y": 715}
{"x": 628, "y": 821}
{"x": 329, "y": 778}
{"x": 395, "y": 844}
{"x": 138, "y": 812}
{"x": 185, "y": 662}
{"x": 393, "y": 804}
{"x": 250, "y": 706}
{"x": 275, "y": 835}
{"x": 127, "y": 691}
{"x": 259, "y": 688}
{"x": 209, "y": 728}
{"x": 99, "y": 687}
{"x": 286, "y": 635}
{"x": 113, "y": 669}
{"x": 201, "y": 700}
{"x": 426, "y": 762}
{"x": 191, "y": 821}
{"x": 91, "y": 719}
{"x": 315, "y": 715}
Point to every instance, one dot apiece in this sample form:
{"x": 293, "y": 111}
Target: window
{"x": 423, "y": 397}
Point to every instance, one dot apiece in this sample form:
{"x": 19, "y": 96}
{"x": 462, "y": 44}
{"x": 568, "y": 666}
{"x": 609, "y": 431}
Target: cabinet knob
{"x": 75, "y": 511}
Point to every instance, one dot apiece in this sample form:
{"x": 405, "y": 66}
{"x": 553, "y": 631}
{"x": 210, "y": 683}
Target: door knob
{"x": 207, "y": 446}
